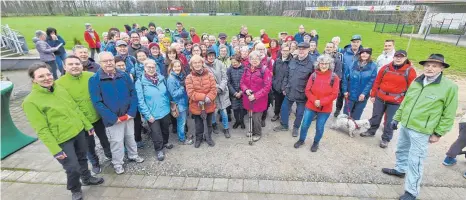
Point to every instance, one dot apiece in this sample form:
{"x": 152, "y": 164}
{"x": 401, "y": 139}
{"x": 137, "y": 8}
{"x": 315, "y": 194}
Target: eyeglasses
{"x": 151, "y": 68}
{"x": 107, "y": 61}
{"x": 322, "y": 63}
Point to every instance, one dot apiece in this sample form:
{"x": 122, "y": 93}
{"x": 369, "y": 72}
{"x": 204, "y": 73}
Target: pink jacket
{"x": 260, "y": 83}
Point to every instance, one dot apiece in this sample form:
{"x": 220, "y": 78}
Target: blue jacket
{"x": 153, "y": 99}
{"x": 314, "y": 55}
{"x": 299, "y": 37}
{"x": 130, "y": 62}
{"x": 349, "y": 57}
{"x": 113, "y": 97}
{"x": 54, "y": 43}
{"x": 359, "y": 80}
{"x": 160, "y": 65}
{"x": 230, "y": 51}
{"x": 138, "y": 70}
{"x": 176, "y": 88}
{"x": 110, "y": 47}
{"x": 187, "y": 54}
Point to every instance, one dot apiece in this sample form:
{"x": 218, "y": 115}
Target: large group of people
{"x": 151, "y": 80}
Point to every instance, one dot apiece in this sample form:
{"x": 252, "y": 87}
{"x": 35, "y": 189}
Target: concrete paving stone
{"x": 235, "y": 185}
{"x": 357, "y": 190}
{"x": 460, "y": 191}
{"x": 200, "y": 195}
{"x": 205, "y": 184}
{"x": 112, "y": 191}
{"x": 176, "y": 182}
{"x": 56, "y": 178}
{"x": 220, "y": 185}
{"x": 225, "y": 196}
{"x": 371, "y": 190}
{"x": 60, "y": 190}
{"x": 190, "y": 183}
{"x": 28, "y": 176}
{"x": 182, "y": 194}
{"x": 257, "y": 196}
{"x": 399, "y": 189}
{"x": 120, "y": 180}
{"x": 6, "y": 173}
{"x": 444, "y": 192}
{"x": 148, "y": 182}
{"x": 311, "y": 188}
{"x": 281, "y": 187}
{"x": 162, "y": 182}
{"x": 15, "y": 175}
{"x": 385, "y": 191}
{"x": 327, "y": 188}
{"x": 330, "y": 198}
{"x": 39, "y": 178}
{"x": 96, "y": 191}
{"x": 266, "y": 186}
{"x": 313, "y": 197}
{"x": 108, "y": 179}
{"x": 134, "y": 181}
{"x": 297, "y": 187}
{"x": 130, "y": 193}
{"x": 10, "y": 162}
{"x": 250, "y": 185}
{"x": 349, "y": 198}
{"x": 341, "y": 189}
{"x": 287, "y": 197}
{"x": 5, "y": 185}
{"x": 163, "y": 194}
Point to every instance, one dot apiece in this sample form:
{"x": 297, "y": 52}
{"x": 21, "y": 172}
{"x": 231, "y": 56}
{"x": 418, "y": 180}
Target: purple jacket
{"x": 260, "y": 82}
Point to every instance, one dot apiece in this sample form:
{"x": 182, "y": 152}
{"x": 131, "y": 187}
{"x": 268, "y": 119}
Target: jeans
{"x": 93, "y": 50}
{"x": 380, "y": 110}
{"x": 224, "y": 115}
{"x": 75, "y": 164}
{"x": 278, "y": 102}
{"x": 160, "y": 132}
{"x": 411, "y": 152}
{"x": 355, "y": 108}
{"x": 100, "y": 132}
{"x": 53, "y": 66}
{"x": 199, "y": 125}
{"x": 307, "y": 121}
{"x": 121, "y": 135}
{"x": 181, "y": 122}
{"x": 285, "y": 112}
{"x": 459, "y": 144}
{"x": 60, "y": 62}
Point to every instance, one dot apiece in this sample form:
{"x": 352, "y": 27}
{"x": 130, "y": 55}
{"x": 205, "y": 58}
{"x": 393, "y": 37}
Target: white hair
{"x": 336, "y": 38}
{"x": 39, "y": 33}
{"x": 244, "y": 48}
{"x": 149, "y": 61}
{"x": 104, "y": 34}
{"x": 255, "y": 54}
{"x": 144, "y": 39}
{"x": 158, "y": 29}
{"x": 211, "y": 37}
{"x": 325, "y": 58}
{"x": 123, "y": 35}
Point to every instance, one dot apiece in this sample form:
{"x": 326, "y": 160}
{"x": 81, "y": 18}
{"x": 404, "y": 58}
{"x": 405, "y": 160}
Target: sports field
{"x": 73, "y": 27}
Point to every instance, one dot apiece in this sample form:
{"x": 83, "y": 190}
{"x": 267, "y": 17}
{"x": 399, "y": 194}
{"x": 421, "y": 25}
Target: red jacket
{"x": 183, "y": 60}
{"x": 195, "y": 39}
{"x": 393, "y": 82}
{"x": 274, "y": 52}
{"x": 91, "y": 42}
{"x": 320, "y": 89}
{"x": 265, "y": 38}
{"x": 245, "y": 61}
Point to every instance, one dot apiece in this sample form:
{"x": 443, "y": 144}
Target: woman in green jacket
{"x": 61, "y": 126}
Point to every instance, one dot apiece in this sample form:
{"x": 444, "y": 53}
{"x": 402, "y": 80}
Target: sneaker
{"x": 168, "y": 146}
{"x": 407, "y": 196}
{"x": 160, "y": 155}
{"x": 226, "y": 132}
{"x": 298, "y": 144}
{"x": 275, "y": 118}
{"x": 280, "y": 128}
{"x": 366, "y": 134}
{"x": 186, "y": 142}
{"x": 383, "y": 144}
{"x": 77, "y": 195}
{"x": 92, "y": 181}
{"x": 295, "y": 132}
{"x": 138, "y": 159}
{"x": 393, "y": 172}
{"x": 256, "y": 138}
{"x": 119, "y": 169}
{"x": 449, "y": 161}
{"x": 210, "y": 142}
{"x": 263, "y": 123}
{"x": 140, "y": 145}
{"x": 314, "y": 147}
{"x": 96, "y": 169}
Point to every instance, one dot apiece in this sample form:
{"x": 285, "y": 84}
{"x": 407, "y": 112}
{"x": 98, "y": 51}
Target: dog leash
{"x": 349, "y": 113}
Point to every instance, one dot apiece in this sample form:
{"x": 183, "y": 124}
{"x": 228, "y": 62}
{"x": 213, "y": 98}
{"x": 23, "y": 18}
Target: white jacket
{"x": 385, "y": 58}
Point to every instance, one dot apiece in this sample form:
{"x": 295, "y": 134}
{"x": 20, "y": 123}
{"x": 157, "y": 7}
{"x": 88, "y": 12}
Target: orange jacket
{"x": 198, "y": 88}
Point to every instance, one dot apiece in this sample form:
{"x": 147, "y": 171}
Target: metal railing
{"x": 9, "y": 39}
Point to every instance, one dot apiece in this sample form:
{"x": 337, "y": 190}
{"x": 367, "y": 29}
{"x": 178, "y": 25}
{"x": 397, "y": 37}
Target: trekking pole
{"x": 250, "y": 123}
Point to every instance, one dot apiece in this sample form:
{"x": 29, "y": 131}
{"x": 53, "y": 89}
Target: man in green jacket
{"x": 76, "y": 83}
{"x": 61, "y": 126}
{"x": 426, "y": 114}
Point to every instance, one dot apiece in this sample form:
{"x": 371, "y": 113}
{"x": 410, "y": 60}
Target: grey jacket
{"x": 45, "y": 50}
{"x": 220, "y": 74}
{"x": 296, "y": 78}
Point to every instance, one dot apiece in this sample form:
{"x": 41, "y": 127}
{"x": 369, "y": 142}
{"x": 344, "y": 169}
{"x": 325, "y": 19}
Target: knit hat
{"x": 153, "y": 44}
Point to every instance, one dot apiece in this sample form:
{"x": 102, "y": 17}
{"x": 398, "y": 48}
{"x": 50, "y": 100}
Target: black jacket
{"x": 280, "y": 69}
{"x": 234, "y": 78}
{"x": 296, "y": 78}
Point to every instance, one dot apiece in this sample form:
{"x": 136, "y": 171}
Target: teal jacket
{"x": 78, "y": 88}
{"x": 153, "y": 100}
{"x": 431, "y": 108}
{"x": 54, "y": 116}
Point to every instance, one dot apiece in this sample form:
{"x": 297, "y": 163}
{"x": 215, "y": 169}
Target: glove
{"x": 207, "y": 100}
{"x": 123, "y": 118}
{"x": 394, "y": 125}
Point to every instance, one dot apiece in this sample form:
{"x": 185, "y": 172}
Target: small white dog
{"x": 352, "y": 126}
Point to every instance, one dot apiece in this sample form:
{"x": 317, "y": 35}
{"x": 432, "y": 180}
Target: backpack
{"x": 405, "y": 75}
{"x": 332, "y": 78}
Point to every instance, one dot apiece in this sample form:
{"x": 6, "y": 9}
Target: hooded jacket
{"x": 91, "y": 66}
{"x": 321, "y": 89}
{"x": 176, "y": 88}
{"x": 280, "y": 69}
{"x": 359, "y": 80}
{"x": 93, "y": 42}
{"x": 349, "y": 57}
{"x": 153, "y": 99}
{"x": 296, "y": 78}
{"x": 220, "y": 74}
{"x": 384, "y": 59}
{"x": 198, "y": 87}
{"x": 230, "y": 50}
{"x": 45, "y": 50}
{"x": 55, "y": 43}
{"x": 234, "y": 79}
{"x": 259, "y": 81}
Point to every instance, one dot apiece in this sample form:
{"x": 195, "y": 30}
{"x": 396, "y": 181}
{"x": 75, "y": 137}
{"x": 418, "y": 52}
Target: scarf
{"x": 91, "y": 32}
{"x": 199, "y": 72}
{"x": 154, "y": 78}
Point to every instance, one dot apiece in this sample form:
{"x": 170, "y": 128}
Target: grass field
{"x": 71, "y": 27}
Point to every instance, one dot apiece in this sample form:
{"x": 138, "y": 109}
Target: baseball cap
{"x": 367, "y": 50}
{"x": 401, "y": 53}
{"x": 121, "y": 42}
{"x": 210, "y": 50}
{"x": 222, "y": 35}
{"x": 304, "y": 45}
{"x": 356, "y": 37}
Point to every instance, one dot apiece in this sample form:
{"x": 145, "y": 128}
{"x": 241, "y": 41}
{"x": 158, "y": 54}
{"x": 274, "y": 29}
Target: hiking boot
{"x": 214, "y": 126}
{"x": 160, "y": 155}
{"x": 235, "y": 126}
{"x": 226, "y": 132}
{"x": 275, "y": 118}
{"x": 243, "y": 126}
{"x": 263, "y": 123}
{"x": 168, "y": 146}
{"x": 407, "y": 196}
{"x": 383, "y": 144}
{"x": 188, "y": 141}
{"x": 96, "y": 169}
{"x": 393, "y": 172}
{"x": 137, "y": 159}
{"x": 280, "y": 128}
{"x": 295, "y": 132}
{"x": 256, "y": 138}
{"x": 77, "y": 195}
{"x": 366, "y": 134}
{"x": 336, "y": 113}
{"x": 298, "y": 144}
{"x": 92, "y": 181}
{"x": 140, "y": 145}
{"x": 449, "y": 161}
{"x": 314, "y": 147}
{"x": 198, "y": 142}
{"x": 119, "y": 169}
{"x": 208, "y": 138}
